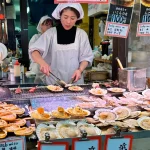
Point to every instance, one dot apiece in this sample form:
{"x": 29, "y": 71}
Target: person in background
{"x": 44, "y": 24}
{"x": 65, "y": 49}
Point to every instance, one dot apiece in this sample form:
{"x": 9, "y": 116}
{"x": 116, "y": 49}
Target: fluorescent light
{"x": 28, "y": 9}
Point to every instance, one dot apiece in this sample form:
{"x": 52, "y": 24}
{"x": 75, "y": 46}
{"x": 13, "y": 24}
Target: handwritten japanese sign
{"x": 53, "y": 146}
{"x": 143, "y": 28}
{"x": 120, "y": 14}
{"x": 13, "y": 143}
{"x": 94, "y": 143}
{"x": 82, "y": 1}
{"x": 124, "y": 143}
{"x": 117, "y": 30}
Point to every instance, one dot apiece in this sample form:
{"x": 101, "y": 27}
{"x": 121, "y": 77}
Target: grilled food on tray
{"x": 60, "y": 113}
{"x": 78, "y": 111}
{"x": 8, "y": 116}
{"x": 3, "y": 133}
{"x": 19, "y": 122}
{"x": 12, "y": 128}
{"x": 75, "y": 88}
{"x": 3, "y": 123}
{"x": 40, "y": 114}
{"x": 54, "y": 88}
{"x": 24, "y": 131}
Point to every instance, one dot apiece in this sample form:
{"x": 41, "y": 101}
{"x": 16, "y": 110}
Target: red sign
{"x": 122, "y": 143}
{"x": 93, "y": 143}
{"x": 82, "y": 1}
{"x": 53, "y": 146}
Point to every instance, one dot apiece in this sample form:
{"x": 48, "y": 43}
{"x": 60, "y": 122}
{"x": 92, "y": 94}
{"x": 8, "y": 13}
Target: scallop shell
{"x": 132, "y": 123}
{"x": 59, "y": 115}
{"x": 75, "y": 88}
{"x": 133, "y": 95}
{"x": 119, "y": 124}
{"x": 67, "y": 129}
{"x": 144, "y": 123}
{"x": 105, "y": 115}
{"x": 3, "y": 123}
{"x": 116, "y": 90}
{"x": 98, "y": 92}
{"x": 89, "y": 128}
{"x": 54, "y": 88}
{"x": 43, "y": 128}
{"x": 122, "y": 112}
{"x": 146, "y": 94}
{"x": 134, "y": 114}
{"x": 19, "y": 122}
{"x": 108, "y": 131}
{"x": 73, "y": 112}
{"x": 92, "y": 120}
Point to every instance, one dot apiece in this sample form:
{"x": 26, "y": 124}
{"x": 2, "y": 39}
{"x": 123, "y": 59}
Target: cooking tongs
{"x": 59, "y": 81}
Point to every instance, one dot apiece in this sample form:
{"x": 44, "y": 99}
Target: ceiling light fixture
{"x": 8, "y": 1}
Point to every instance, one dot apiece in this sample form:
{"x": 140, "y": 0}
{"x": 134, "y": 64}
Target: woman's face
{"x": 68, "y": 19}
{"x": 45, "y": 27}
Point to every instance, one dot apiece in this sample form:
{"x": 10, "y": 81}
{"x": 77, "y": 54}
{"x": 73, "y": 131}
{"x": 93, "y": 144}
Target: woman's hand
{"x": 77, "y": 75}
{"x": 45, "y": 68}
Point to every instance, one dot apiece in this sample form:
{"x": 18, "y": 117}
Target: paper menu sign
{"x": 124, "y": 143}
{"x": 143, "y": 28}
{"x": 119, "y": 16}
{"x": 94, "y": 143}
{"x": 82, "y": 1}
{"x": 13, "y": 143}
{"x": 53, "y": 146}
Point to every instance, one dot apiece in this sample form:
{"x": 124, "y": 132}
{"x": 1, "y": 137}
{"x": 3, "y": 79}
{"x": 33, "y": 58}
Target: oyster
{"x": 12, "y": 128}
{"x": 122, "y": 112}
{"x": 19, "y": 122}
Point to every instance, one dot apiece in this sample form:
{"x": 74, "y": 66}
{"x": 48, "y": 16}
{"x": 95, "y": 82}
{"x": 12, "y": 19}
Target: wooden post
{"x": 120, "y": 50}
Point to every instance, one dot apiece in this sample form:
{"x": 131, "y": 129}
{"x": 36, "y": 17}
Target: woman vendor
{"x": 63, "y": 50}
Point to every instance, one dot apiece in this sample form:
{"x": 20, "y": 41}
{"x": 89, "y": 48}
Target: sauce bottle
{"x": 17, "y": 71}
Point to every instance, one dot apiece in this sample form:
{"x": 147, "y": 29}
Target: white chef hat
{"x": 60, "y": 7}
{"x": 41, "y": 21}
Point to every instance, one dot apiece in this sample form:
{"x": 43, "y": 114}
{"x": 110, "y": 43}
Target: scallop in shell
{"x": 132, "y": 123}
{"x": 134, "y": 114}
{"x": 89, "y": 128}
{"x": 122, "y": 112}
{"x": 67, "y": 129}
{"x": 105, "y": 115}
{"x": 144, "y": 123}
{"x": 108, "y": 131}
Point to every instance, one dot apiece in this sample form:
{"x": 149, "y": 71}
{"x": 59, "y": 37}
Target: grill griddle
{"x": 42, "y": 91}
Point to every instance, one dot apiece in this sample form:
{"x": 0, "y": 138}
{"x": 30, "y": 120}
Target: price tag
{"x": 53, "y": 146}
{"x": 143, "y": 29}
{"x": 116, "y": 30}
{"x": 82, "y": 1}
{"x": 124, "y": 143}
{"x": 13, "y": 143}
{"x": 93, "y": 143}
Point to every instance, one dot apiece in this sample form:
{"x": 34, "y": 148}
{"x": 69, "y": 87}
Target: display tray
{"x": 42, "y": 91}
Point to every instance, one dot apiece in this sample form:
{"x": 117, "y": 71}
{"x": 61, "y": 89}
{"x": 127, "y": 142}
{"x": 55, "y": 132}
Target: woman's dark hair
{"x": 75, "y": 11}
{"x": 48, "y": 22}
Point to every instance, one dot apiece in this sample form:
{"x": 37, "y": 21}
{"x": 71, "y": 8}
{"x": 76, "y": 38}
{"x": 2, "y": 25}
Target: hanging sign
{"x": 82, "y": 1}
{"x": 119, "y": 18}
{"x": 143, "y": 28}
{"x": 13, "y": 143}
{"x": 120, "y": 143}
{"x": 53, "y": 146}
{"x": 92, "y": 143}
